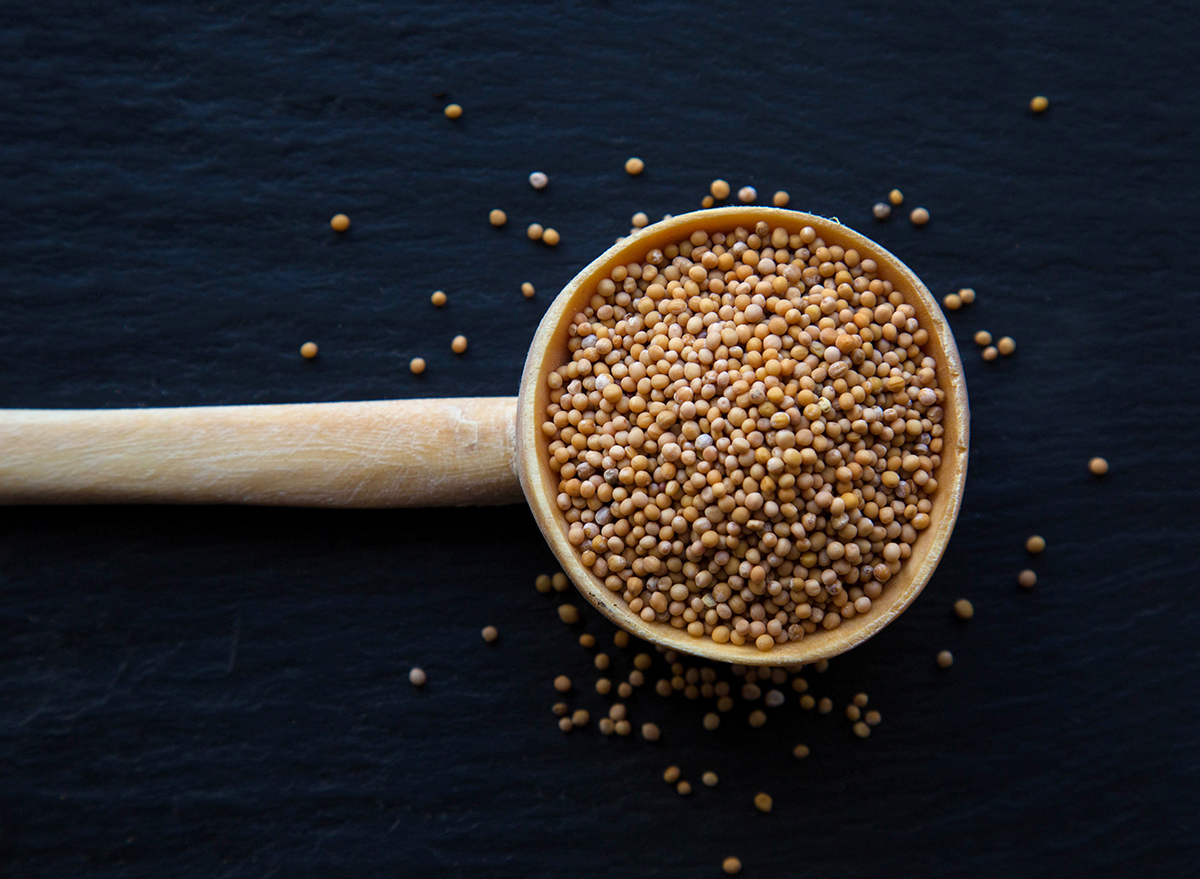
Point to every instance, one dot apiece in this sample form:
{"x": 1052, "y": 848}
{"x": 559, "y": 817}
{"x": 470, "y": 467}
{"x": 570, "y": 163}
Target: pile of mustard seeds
{"x": 746, "y": 434}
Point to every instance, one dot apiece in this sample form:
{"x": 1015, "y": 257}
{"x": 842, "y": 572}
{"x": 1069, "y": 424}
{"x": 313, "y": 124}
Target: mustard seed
{"x": 617, "y": 711}
{"x": 490, "y": 633}
{"x": 566, "y": 724}
{"x": 538, "y": 180}
{"x": 732, "y": 866}
{"x": 542, "y": 583}
{"x": 586, "y": 640}
{"x": 683, "y": 789}
{"x": 560, "y": 582}
{"x": 497, "y": 218}
{"x": 624, "y": 690}
{"x": 1039, "y": 104}
{"x": 799, "y": 685}
{"x": 881, "y": 210}
{"x": 781, "y": 199}
{"x": 952, "y": 301}
{"x": 562, "y": 683}
{"x": 821, "y": 666}
{"x": 825, "y": 706}
{"x": 417, "y": 365}
{"x": 527, "y": 290}
{"x": 747, "y": 195}
{"x": 800, "y": 752}
{"x": 757, "y": 718}
{"x": 663, "y": 687}
{"x": 534, "y": 231}
{"x": 853, "y": 712}
{"x": 990, "y": 353}
{"x": 963, "y": 609}
{"x": 711, "y": 721}
{"x": 983, "y": 338}
{"x": 719, "y": 189}
{"x": 568, "y": 613}
{"x": 642, "y": 661}
{"x": 559, "y": 709}
{"x": 967, "y": 295}
{"x": 551, "y": 237}
{"x": 453, "y": 111}
{"x": 340, "y": 223}
{"x": 862, "y": 730}
{"x": 622, "y": 727}
{"x": 1035, "y": 544}
{"x": 651, "y": 732}
{"x": 601, "y": 661}
{"x": 639, "y": 220}
{"x": 707, "y": 202}
{"x": 1098, "y": 466}
{"x": 710, "y": 779}
{"x": 1027, "y": 579}
{"x": 417, "y": 677}
{"x": 634, "y": 166}
{"x": 896, "y": 197}
{"x": 308, "y": 350}
{"x": 861, "y": 700}
{"x": 603, "y": 686}
{"x": 580, "y": 717}
{"x": 671, "y": 774}
{"x": 1007, "y": 345}
{"x": 606, "y": 726}
{"x": 636, "y": 678}
{"x": 807, "y": 702}
{"x": 621, "y": 638}
{"x": 773, "y": 699}
{"x": 872, "y": 718}
{"x": 458, "y": 344}
{"x": 919, "y": 216}
{"x": 438, "y": 298}
{"x": 945, "y": 659}
{"x": 763, "y": 802}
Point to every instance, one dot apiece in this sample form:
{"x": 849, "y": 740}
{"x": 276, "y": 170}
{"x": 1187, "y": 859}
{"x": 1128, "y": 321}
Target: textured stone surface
{"x": 197, "y": 692}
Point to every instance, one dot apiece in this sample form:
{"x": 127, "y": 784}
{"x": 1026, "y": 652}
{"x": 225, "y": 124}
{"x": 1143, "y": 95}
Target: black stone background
{"x": 204, "y": 692}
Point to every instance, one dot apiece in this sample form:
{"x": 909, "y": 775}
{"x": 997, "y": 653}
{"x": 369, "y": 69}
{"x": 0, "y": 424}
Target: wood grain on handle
{"x": 402, "y": 453}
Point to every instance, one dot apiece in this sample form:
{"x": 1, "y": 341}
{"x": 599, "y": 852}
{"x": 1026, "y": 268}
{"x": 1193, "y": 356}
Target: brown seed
{"x": 896, "y": 197}
{"x": 707, "y": 202}
{"x": 825, "y": 706}
{"x": 872, "y": 718}
{"x": 1027, "y": 579}
{"x": 634, "y": 166}
{"x": 983, "y": 338}
{"x": 490, "y": 634}
{"x": 559, "y": 708}
{"x": 853, "y": 712}
{"x": 551, "y": 237}
{"x": 542, "y": 583}
{"x": 651, "y": 732}
{"x": 1098, "y": 466}
{"x": 919, "y": 216}
{"x": 719, "y": 189}
{"x": 340, "y": 223}
{"x": 963, "y": 609}
{"x": 712, "y": 720}
{"x": 945, "y": 659}
{"x": 807, "y": 702}
{"x": 1035, "y": 544}
{"x": 586, "y": 640}
{"x": 1007, "y": 345}
{"x": 642, "y": 661}
{"x": 527, "y": 290}
{"x": 1039, "y": 104}
{"x": 453, "y": 111}
{"x": 710, "y": 779}
{"x": 438, "y": 298}
{"x": 758, "y": 718}
{"x": 780, "y": 199}
{"x": 580, "y": 717}
{"x": 624, "y": 690}
{"x": 862, "y": 730}
{"x": 671, "y": 774}
{"x": 606, "y": 726}
{"x": 731, "y": 866}
{"x": 308, "y": 350}
{"x": 952, "y": 301}
{"x": 861, "y": 700}
{"x": 497, "y": 218}
{"x": 617, "y": 711}
{"x": 601, "y": 661}
{"x": 539, "y": 180}
{"x": 562, "y": 683}
{"x": 458, "y": 344}
{"x": 990, "y": 353}
{"x": 967, "y": 295}
{"x": 603, "y": 686}
{"x": 566, "y": 724}
{"x": 417, "y": 677}
{"x": 560, "y": 582}
{"x": 683, "y": 788}
{"x": 621, "y": 639}
{"x": 800, "y": 752}
{"x": 623, "y": 727}
{"x": 568, "y": 613}
{"x": 535, "y": 231}
{"x": 763, "y": 802}
{"x": 747, "y": 195}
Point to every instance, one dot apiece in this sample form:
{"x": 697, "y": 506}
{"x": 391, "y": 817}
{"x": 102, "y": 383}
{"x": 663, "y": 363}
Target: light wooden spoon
{"x": 463, "y": 451}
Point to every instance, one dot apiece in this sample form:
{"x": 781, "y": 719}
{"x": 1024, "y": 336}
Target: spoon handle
{"x": 395, "y": 453}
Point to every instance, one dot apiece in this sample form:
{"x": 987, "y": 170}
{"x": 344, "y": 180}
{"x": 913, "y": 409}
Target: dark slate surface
{"x": 203, "y": 692}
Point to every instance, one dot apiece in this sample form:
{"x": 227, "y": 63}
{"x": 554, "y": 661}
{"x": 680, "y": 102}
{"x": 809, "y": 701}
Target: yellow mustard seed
{"x": 807, "y": 702}
{"x": 799, "y": 685}
{"x": 919, "y": 216}
{"x": 683, "y": 788}
{"x": 763, "y": 802}
{"x": 560, "y": 582}
{"x": 757, "y": 718}
{"x": 709, "y": 778}
{"x": 601, "y": 661}
{"x": 732, "y": 866}
{"x": 458, "y": 344}
{"x": 862, "y": 730}
{"x": 821, "y": 666}
{"x": 853, "y": 712}
{"x": 711, "y": 721}
{"x": 990, "y": 353}
{"x": 542, "y": 583}
{"x": 622, "y": 727}
{"x": 636, "y": 678}
{"x": 642, "y": 661}
{"x": 527, "y": 290}
{"x": 568, "y": 613}
{"x": 1039, "y": 104}
{"x": 617, "y": 711}
{"x": 340, "y": 223}
{"x": 825, "y": 706}
{"x": 719, "y": 189}
{"x": 580, "y": 717}
{"x": 952, "y": 301}
{"x": 983, "y": 338}
{"x": 671, "y": 774}
{"x": 1027, "y": 579}
{"x": 639, "y": 220}
{"x": 438, "y": 298}
{"x": 490, "y": 633}
{"x": 800, "y": 752}
{"x": 881, "y": 210}
{"x": 621, "y": 638}
{"x": 747, "y": 195}
{"x": 308, "y": 350}
{"x": 963, "y": 609}
{"x": 780, "y": 199}
{"x": 624, "y": 689}
{"x": 453, "y": 111}
{"x": 417, "y": 677}
{"x": 707, "y": 202}
{"x": 566, "y": 724}
{"x": 1098, "y": 466}
{"x": 586, "y": 640}
{"x": 872, "y": 718}
{"x": 497, "y": 218}
{"x": 1007, "y": 345}
{"x": 651, "y": 732}
{"x": 603, "y": 686}
{"x": 562, "y": 683}
{"x": 861, "y": 700}
{"x": 559, "y": 709}
{"x": 606, "y": 726}
{"x": 538, "y": 180}
{"x": 967, "y": 295}
{"x": 634, "y": 166}
{"x": 534, "y": 231}
{"x": 1035, "y": 544}
{"x": 945, "y": 659}
{"x": 896, "y": 197}
{"x": 551, "y": 237}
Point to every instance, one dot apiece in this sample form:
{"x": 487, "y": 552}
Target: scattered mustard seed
{"x": 919, "y": 216}
{"x": 490, "y": 633}
{"x": 747, "y": 195}
{"x": 967, "y": 295}
{"x": 606, "y": 726}
{"x": 896, "y": 197}
{"x": 586, "y": 640}
{"x": 719, "y": 189}
{"x": 763, "y": 802}
{"x": 639, "y": 220}
{"x": 807, "y": 702}
{"x": 601, "y": 661}
{"x": 617, "y": 711}
{"x": 821, "y": 666}
{"x": 453, "y": 111}
{"x": 671, "y": 774}
{"x": 825, "y": 706}
{"x": 634, "y": 166}
{"x": 757, "y": 718}
{"x": 497, "y": 218}
{"x": 872, "y": 718}
{"x": 1027, "y": 579}
{"x": 711, "y": 721}
{"x": 527, "y": 290}
{"x": 538, "y": 180}
{"x": 624, "y": 690}
{"x": 983, "y": 338}
{"x": 308, "y": 350}
{"x": 636, "y": 678}
{"x": 621, "y": 638}
{"x": 417, "y": 677}
{"x": 853, "y": 712}
{"x": 990, "y": 353}
{"x": 560, "y": 582}
{"x": 1039, "y": 104}
{"x": 651, "y": 732}
{"x": 566, "y": 724}
{"x": 458, "y": 344}
{"x": 551, "y": 237}
{"x": 799, "y": 685}
{"x": 861, "y": 699}
{"x": 881, "y": 210}
{"x": 340, "y": 223}
{"x": 438, "y": 298}
{"x": 963, "y": 609}
{"x": 732, "y": 866}
{"x": 707, "y": 202}
{"x": 542, "y": 583}
{"x": 800, "y": 752}
{"x": 945, "y": 659}
{"x": 709, "y": 778}
{"x": 568, "y": 613}
{"x": 580, "y": 717}
{"x": 559, "y": 709}
{"x": 535, "y": 231}
{"x": 780, "y": 199}
{"x": 774, "y": 698}
{"x": 622, "y": 727}
{"x": 1035, "y": 544}
{"x": 562, "y": 683}
{"x": 603, "y": 686}
{"x": 683, "y": 788}
{"x": 1098, "y": 466}
{"x": 642, "y": 661}
{"x": 1007, "y": 345}
{"x": 952, "y": 301}
{"x": 862, "y": 730}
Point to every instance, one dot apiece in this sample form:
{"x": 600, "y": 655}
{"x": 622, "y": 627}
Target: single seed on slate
{"x": 538, "y": 180}
{"x": 606, "y": 726}
{"x": 636, "y": 678}
{"x": 601, "y": 661}
{"x": 417, "y": 365}
{"x": 862, "y": 730}
{"x": 711, "y": 721}
{"x": 551, "y": 237}
{"x": 671, "y": 774}
{"x": 853, "y": 712}
{"x": 569, "y": 614}
{"x": 952, "y": 301}
{"x": 603, "y": 686}
{"x": 639, "y": 220}
{"x": 861, "y": 700}
{"x": 458, "y": 344}
{"x": 758, "y": 718}
{"x": 719, "y": 189}
{"x": 763, "y": 802}
{"x": 562, "y": 683}
{"x": 651, "y": 732}
{"x": 527, "y": 290}
{"x": 621, "y": 639}
{"x": 710, "y": 779}
{"x": 800, "y": 752}
{"x": 580, "y": 717}
{"x": 663, "y": 687}
{"x": 308, "y": 350}
{"x": 1035, "y": 544}
{"x": 624, "y": 690}
{"x": 799, "y": 685}
{"x": 623, "y": 727}
{"x": 822, "y": 666}
{"x": 534, "y": 231}
{"x": 945, "y": 659}
{"x": 825, "y": 706}
{"x": 731, "y": 865}
{"x": 963, "y": 609}
{"x": 781, "y": 199}
{"x": 807, "y": 702}
{"x": 683, "y": 788}
{"x": 872, "y": 718}
{"x": 497, "y": 218}
{"x": 896, "y": 197}
{"x": 586, "y": 640}
{"x": 983, "y": 338}
{"x": 417, "y": 677}
{"x": 882, "y": 210}
{"x": 490, "y": 634}
{"x": 919, "y": 216}
{"x": 453, "y": 111}
{"x": 542, "y": 583}
{"x": 707, "y": 202}
{"x": 560, "y": 582}
{"x": 1007, "y": 345}
{"x": 1039, "y": 104}
{"x": 1027, "y": 579}
{"x": 617, "y": 711}
{"x": 1098, "y": 466}
{"x": 747, "y": 195}
{"x": 967, "y": 295}
{"x": 566, "y": 724}
{"x": 340, "y": 223}
{"x": 559, "y": 708}
{"x": 774, "y": 698}
{"x": 634, "y": 166}
{"x": 990, "y": 353}
{"x": 642, "y": 661}
{"x": 438, "y": 298}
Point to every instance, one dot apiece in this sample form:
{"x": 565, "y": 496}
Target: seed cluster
{"x": 746, "y": 435}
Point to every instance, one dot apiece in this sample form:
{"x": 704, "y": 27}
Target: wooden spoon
{"x": 465, "y": 451}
